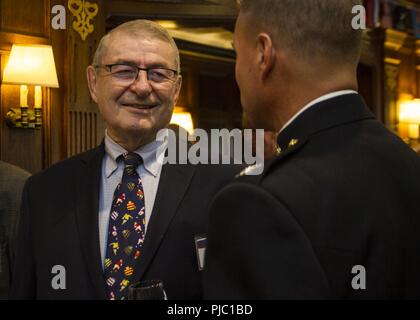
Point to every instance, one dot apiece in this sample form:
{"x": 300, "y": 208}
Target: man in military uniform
{"x": 336, "y": 214}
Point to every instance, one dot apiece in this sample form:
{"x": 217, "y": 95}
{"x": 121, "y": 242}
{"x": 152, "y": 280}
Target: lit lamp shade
{"x": 183, "y": 119}
{"x": 410, "y": 114}
{"x": 31, "y": 65}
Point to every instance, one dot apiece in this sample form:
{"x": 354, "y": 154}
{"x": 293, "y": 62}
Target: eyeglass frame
{"x": 109, "y": 66}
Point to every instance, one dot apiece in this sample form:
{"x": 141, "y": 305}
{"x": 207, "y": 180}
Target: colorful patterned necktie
{"x": 125, "y": 231}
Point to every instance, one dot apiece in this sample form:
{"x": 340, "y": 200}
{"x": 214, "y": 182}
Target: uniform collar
{"x": 327, "y": 112}
{"x": 316, "y": 101}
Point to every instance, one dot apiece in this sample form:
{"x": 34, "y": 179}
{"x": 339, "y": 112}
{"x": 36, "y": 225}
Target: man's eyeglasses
{"x": 127, "y": 73}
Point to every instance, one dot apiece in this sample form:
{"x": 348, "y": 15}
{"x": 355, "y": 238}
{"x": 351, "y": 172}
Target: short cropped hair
{"x": 138, "y": 28}
{"x": 309, "y": 28}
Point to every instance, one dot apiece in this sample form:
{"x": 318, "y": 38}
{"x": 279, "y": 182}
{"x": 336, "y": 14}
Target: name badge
{"x": 200, "y": 247}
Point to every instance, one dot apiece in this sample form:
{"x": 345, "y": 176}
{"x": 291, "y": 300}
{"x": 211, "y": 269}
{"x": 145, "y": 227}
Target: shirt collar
{"x": 316, "y": 101}
{"x": 152, "y": 155}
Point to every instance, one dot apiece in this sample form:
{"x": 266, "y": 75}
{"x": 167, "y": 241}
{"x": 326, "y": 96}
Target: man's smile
{"x": 140, "y": 106}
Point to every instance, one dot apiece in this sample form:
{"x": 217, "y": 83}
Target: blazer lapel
{"x": 173, "y": 184}
{"x": 87, "y": 202}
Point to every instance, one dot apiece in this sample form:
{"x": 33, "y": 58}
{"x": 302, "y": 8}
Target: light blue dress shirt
{"x": 112, "y": 171}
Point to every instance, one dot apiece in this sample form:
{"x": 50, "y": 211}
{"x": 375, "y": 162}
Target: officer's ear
{"x": 266, "y": 54}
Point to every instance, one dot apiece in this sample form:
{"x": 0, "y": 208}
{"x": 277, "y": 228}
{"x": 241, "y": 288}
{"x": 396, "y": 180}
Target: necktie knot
{"x": 131, "y": 162}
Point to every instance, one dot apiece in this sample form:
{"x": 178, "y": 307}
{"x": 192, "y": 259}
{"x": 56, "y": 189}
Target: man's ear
{"x": 178, "y": 88}
{"x": 91, "y": 79}
{"x": 266, "y": 54}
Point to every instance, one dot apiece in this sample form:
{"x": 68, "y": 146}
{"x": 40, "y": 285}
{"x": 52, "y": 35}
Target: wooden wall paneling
{"x": 188, "y": 97}
{"x": 393, "y": 42}
{"x": 47, "y": 109}
{"x": 59, "y": 105}
{"x": 213, "y": 94}
{"x": 26, "y": 17}
{"x": 46, "y": 128}
{"x": 192, "y": 88}
{"x": 25, "y": 23}
{"x": 161, "y": 10}
{"x": 20, "y": 147}
{"x": 407, "y": 83}
{"x": 417, "y": 49}
{"x": 85, "y": 127}
{"x": 391, "y": 92}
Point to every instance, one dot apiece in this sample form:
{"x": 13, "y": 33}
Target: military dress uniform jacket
{"x": 335, "y": 215}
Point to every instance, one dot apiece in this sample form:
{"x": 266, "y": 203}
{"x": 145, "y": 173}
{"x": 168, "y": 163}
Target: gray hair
{"x": 309, "y": 28}
{"x": 138, "y": 28}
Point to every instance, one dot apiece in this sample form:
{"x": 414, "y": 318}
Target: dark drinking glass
{"x": 147, "y": 290}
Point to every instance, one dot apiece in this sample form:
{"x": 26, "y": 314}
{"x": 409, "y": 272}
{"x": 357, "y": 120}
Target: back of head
{"x": 309, "y": 29}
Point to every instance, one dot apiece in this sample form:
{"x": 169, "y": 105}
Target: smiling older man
{"x": 115, "y": 215}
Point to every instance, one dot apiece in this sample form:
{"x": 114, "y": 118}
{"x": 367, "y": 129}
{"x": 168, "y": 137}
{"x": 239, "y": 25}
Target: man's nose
{"x": 141, "y": 85}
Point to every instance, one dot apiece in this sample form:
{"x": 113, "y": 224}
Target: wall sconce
{"x": 410, "y": 114}
{"x": 183, "y": 119}
{"x": 29, "y": 65}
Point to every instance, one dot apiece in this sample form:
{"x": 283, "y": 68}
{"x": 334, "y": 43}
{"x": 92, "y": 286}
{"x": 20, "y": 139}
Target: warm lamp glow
{"x": 168, "y": 24}
{"x": 183, "y": 119}
{"x": 410, "y": 111}
{"x": 31, "y": 65}
{"x": 410, "y": 114}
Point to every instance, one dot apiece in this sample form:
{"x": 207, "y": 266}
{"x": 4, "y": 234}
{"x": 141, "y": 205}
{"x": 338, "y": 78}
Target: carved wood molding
{"x": 391, "y": 73}
{"x": 84, "y": 12}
